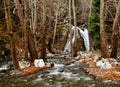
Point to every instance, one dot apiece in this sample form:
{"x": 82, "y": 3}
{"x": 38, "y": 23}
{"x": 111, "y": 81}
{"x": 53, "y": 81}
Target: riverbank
{"x": 65, "y": 73}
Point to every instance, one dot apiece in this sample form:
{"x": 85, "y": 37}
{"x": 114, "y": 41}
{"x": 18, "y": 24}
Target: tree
{"x": 50, "y": 36}
{"x": 104, "y": 52}
{"x": 75, "y": 43}
{"x": 115, "y": 32}
{"x": 43, "y": 52}
{"x": 30, "y": 30}
{"x": 23, "y": 14}
{"x": 31, "y": 47}
{"x": 94, "y": 27}
{"x": 33, "y": 20}
{"x": 23, "y": 21}
{"x": 19, "y": 9}
{"x": 55, "y": 24}
{"x": 70, "y": 25}
{"x": 26, "y": 28}
{"x": 9, "y": 28}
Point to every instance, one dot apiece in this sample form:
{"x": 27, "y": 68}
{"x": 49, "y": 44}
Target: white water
{"x": 85, "y": 36}
{"x": 67, "y": 75}
{"x": 56, "y": 69}
{"x": 67, "y": 47}
{"x": 79, "y": 32}
{"x": 4, "y": 67}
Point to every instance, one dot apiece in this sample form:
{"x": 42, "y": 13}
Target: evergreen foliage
{"x": 94, "y": 27}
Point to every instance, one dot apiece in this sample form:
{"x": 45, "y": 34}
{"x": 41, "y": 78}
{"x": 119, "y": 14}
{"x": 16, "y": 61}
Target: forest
{"x": 60, "y": 43}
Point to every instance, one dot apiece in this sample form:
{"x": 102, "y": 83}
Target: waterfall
{"x": 79, "y": 32}
{"x": 85, "y": 36}
{"x": 67, "y": 47}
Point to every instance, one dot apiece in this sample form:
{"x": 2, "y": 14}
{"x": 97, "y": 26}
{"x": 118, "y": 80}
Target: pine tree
{"x": 94, "y": 27}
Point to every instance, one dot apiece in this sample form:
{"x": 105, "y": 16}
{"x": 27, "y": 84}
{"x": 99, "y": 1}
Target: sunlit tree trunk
{"x": 43, "y": 52}
{"x": 90, "y": 9}
{"x": 9, "y": 28}
{"x": 91, "y": 42}
{"x": 75, "y": 43}
{"x": 115, "y": 32}
{"x": 56, "y": 16}
{"x": 70, "y": 26}
{"x": 104, "y": 52}
{"x": 35, "y": 21}
{"x": 33, "y": 6}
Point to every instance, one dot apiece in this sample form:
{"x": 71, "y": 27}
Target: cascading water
{"x": 67, "y": 47}
{"x": 85, "y": 36}
{"x": 4, "y": 67}
{"x": 79, "y": 32}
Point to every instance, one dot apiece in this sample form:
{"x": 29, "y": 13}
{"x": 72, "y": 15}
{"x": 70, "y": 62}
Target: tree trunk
{"x": 19, "y": 8}
{"x": 35, "y": 16}
{"x": 23, "y": 22}
{"x": 31, "y": 47}
{"x": 55, "y": 26}
{"x": 50, "y": 38}
{"x": 115, "y": 33}
{"x": 74, "y": 15}
{"x": 26, "y": 29}
{"x": 50, "y": 49}
{"x": 70, "y": 26}
{"x": 104, "y": 52}
{"x": 9, "y": 28}
{"x": 33, "y": 7}
{"x": 75, "y": 48}
{"x": 43, "y": 52}
{"x": 90, "y": 38}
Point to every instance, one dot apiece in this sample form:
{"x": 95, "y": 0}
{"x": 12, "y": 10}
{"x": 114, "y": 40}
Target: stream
{"x": 65, "y": 73}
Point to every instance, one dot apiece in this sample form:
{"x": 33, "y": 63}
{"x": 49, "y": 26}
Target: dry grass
{"x": 30, "y": 70}
{"x": 109, "y": 74}
{"x": 106, "y": 74}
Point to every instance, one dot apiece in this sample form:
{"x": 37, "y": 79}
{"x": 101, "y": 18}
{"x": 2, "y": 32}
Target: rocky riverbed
{"x": 65, "y": 73}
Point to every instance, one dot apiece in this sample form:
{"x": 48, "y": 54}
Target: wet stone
{"x": 73, "y": 60}
{"x": 64, "y": 74}
{"x": 68, "y": 63}
{"x": 60, "y": 70}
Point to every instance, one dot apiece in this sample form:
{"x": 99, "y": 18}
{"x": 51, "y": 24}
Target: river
{"x": 65, "y": 73}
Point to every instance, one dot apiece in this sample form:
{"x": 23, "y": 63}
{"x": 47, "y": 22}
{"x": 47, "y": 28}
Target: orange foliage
{"x": 30, "y": 70}
{"x": 108, "y": 74}
{"x": 40, "y": 49}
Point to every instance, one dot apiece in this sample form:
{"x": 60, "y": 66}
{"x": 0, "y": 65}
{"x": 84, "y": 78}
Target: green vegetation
{"x": 4, "y": 38}
{"x": 4, "y": 47}
{"x": 94, "y": 27}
